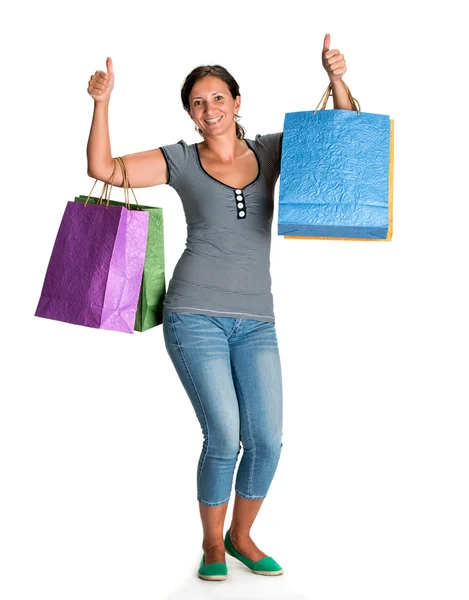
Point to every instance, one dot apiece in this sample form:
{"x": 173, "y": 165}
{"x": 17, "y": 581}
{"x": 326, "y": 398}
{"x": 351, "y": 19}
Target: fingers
{"x": 101, "y": 87}
{"x": 109, "y": 66}
{"x": 332, "y": 60}
{"x": 101, "y": 76}
{"x": 339, "y": 71}
{"x": 333, "y": 54}
{"x": 99, "y": 82}
{"x": 327, "y": 42}
{"x": 335, "y": 62}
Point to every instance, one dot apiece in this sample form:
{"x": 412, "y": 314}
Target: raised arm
{"x": 144, "y": 169}
{"x": 334, "y": 63}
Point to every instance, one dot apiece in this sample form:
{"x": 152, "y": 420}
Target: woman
{"x": 218, "y": 318}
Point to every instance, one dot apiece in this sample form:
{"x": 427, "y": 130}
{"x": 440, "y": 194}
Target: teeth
{"x": 212, "y": 120}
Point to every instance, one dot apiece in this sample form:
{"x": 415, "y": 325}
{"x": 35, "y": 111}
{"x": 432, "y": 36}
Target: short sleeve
{"x": 176, "y": 157}
{"x": 272, "y": 143}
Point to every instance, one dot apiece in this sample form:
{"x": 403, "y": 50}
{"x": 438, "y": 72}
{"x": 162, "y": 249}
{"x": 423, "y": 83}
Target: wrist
{"x": 337, "y": 83}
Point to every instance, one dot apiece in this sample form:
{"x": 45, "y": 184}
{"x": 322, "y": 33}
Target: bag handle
{"x": 325, "y": 97}
{"x": 104, "y": 187}
{"x": 107, "y": 188}
{"x": 126, "y": 181}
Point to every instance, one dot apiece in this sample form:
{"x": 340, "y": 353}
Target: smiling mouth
{"x": 213, "y": 121}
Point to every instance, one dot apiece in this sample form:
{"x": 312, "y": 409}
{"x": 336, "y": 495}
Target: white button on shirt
{"x": 238, "y": 191}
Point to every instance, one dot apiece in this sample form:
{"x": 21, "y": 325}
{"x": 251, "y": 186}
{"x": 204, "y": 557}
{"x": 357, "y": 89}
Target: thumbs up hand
{"x": 101, "y": 83}
{"x": 332, "y": 60}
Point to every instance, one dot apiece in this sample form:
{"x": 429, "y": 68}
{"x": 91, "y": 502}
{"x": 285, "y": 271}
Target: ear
{"x": 237, "y": 103}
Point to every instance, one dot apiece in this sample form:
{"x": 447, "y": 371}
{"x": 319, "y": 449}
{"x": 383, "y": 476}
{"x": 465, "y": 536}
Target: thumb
{"x": 327, "y": 42}
{"x": 109, "y": 66}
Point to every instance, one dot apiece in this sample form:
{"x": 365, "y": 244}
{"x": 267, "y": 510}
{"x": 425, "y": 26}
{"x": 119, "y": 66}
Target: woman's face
{"x": 211, "y": 106}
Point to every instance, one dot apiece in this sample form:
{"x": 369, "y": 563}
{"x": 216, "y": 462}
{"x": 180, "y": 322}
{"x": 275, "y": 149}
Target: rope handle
{"x": 107, "y": 188}
{"x": 325, "y": 97}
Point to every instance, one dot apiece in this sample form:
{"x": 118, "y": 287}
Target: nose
{"x": 210, "y": 108}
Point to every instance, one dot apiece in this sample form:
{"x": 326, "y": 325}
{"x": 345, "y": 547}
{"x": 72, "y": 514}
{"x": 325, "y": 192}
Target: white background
{"x": 99, "y": 443}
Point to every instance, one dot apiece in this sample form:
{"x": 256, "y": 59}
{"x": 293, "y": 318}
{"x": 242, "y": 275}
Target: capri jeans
{"x": 230, "y": 369}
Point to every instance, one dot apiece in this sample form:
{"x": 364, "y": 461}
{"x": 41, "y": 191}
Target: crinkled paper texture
{"x": 153, "y": 288}
{"x": 95, "y": 270}
{"x": 334, "y": 179}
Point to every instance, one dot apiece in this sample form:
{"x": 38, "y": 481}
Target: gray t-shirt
{"x": 225, "y": 269}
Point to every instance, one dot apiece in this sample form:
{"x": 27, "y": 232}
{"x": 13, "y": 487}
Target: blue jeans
{"x": 230, "y": 369}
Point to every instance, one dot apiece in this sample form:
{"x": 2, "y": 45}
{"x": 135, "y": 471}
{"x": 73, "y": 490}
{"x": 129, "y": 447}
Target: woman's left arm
{"x": 334, "y": 63}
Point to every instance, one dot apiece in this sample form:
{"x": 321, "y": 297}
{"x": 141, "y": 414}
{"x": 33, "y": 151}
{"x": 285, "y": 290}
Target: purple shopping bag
{"x": 95, "y": 270}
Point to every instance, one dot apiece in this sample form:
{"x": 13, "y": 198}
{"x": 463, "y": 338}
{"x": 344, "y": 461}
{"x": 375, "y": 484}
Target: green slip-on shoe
{"x": 214, "y": 572}
{"x": 264, "y": 566}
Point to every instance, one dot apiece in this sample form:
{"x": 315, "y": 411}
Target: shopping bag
{"x": 153, "y": 289}
{"x": 96, "y": 266}
{"x": 336, "y": 177}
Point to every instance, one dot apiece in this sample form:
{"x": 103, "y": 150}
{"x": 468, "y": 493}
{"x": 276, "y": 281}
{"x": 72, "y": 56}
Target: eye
{"x": 197, "y": 101}
{"x": 219, "y": 97}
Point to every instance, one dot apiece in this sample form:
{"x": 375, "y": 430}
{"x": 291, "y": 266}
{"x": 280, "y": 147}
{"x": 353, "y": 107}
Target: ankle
{"x": 208, "y": 545}
{"x": 238, "y": 534}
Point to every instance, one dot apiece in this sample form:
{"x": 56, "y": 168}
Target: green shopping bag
{"x": 153, "y": 289}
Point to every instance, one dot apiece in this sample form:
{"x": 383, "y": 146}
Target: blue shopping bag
{"x": 336, "y": 174}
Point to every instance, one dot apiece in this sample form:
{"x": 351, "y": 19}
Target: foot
{"x": 214, "y": 553}
{"x": 245, "y": 546}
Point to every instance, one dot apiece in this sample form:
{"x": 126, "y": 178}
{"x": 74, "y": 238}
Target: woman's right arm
{"x": 144, "y": 169}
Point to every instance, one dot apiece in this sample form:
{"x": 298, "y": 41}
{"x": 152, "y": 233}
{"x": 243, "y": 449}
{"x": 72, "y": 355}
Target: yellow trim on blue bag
{"x": 391, "y": 183}
{"x": 390, "y": 203}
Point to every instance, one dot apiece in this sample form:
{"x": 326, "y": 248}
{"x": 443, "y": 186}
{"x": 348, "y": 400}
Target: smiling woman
{"x": 207, "y": 93}
{"x": 218, "y": 317}
{"x": 218, "y": 320}
{"x": 226, "y": 184}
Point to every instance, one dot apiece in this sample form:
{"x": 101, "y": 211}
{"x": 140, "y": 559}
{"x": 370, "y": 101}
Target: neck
{"x": 225, "y": 148}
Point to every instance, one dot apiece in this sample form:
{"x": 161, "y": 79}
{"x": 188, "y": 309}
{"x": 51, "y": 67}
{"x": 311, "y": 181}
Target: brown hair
{"x": 216, "y": 71}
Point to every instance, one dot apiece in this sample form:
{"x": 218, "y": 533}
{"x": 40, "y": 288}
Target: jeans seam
{"x": 250, "y": 496}
{"x": 233, "y": 330}
{"x": 248, "y": 418}
{"x": 212, "y": 503}
{"x": 205, "y": 452}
